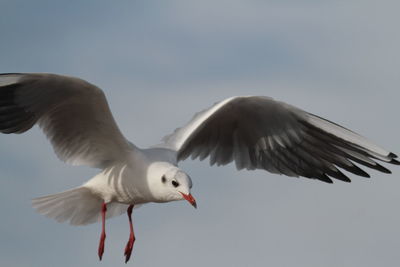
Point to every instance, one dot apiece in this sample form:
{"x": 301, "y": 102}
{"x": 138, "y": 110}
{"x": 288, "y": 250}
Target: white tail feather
{"x": 77, "y": 206}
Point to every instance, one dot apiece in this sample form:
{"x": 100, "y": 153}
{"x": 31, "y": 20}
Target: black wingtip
{"x": 324, "y": 178}
{"x": 358, "y": 171}
{"x": 380, "y": 168}
{"x": 392, "y": 155}
{"x": 326, "y": 181}
{"x": 395, "y": 162}
{"x": 340, "y": 176}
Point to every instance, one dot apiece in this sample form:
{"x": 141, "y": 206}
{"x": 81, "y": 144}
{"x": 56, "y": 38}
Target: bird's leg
{"x": 129, "y": 245}
{"x": 103, "y": 230}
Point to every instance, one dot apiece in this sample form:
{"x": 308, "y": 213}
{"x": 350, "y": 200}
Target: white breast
{"x": 124, "y": 183}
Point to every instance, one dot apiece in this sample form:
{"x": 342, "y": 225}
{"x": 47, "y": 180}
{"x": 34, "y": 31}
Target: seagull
{"x": 254, "y": 132}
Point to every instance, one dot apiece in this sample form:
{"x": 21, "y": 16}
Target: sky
{"x": 159, "y": 62}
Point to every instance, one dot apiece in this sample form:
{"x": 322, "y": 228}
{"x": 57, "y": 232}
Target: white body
{"x": 128, "y": 183}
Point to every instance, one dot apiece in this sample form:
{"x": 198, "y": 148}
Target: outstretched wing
{"x": 261, "y": 133}
{"x": 73, "y": 113}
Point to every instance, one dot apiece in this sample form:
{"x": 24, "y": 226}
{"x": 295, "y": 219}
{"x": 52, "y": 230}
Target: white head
{"x": 169, "y": 183}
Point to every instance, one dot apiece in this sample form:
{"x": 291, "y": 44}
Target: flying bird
{"x": 254, "y": 132}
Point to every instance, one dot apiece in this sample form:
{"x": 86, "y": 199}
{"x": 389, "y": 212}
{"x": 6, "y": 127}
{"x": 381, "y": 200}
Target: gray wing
{"x": 73, "y": 113}
{"x": 261, "y": 133}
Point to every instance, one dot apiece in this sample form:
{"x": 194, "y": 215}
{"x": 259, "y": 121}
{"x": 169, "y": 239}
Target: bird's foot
{"x": 129, "y": 247}
{"x": 103, "y": 230}
{"x": 101, "y": 245}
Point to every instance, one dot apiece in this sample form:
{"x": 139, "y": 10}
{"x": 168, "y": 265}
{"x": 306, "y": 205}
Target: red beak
{"x": 190, "y": 199}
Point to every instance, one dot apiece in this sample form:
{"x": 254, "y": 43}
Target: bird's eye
{"x": 163, "y": 179}
{"x": 175, "y": 183}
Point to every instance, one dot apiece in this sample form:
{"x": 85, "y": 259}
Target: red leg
{"x": 129, "y": 245}
{"x": 103, "y": 230}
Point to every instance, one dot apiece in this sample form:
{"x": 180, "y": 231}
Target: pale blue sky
{"x": 159, "y": 62}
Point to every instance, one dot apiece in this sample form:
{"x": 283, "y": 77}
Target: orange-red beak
{"x": 190, "y": 199}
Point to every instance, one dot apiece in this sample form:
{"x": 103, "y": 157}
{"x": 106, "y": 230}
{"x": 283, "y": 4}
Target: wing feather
{"x": 73, "y": 113}
{"x": 261, "y": 133}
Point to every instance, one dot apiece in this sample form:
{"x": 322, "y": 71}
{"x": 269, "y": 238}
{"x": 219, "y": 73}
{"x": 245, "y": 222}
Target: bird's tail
{"x": 78, "y": 206}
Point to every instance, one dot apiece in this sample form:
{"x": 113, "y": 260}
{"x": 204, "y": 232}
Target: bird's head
{"x": 169, "y": 183}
